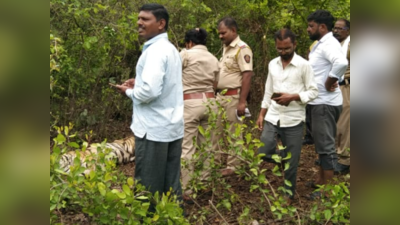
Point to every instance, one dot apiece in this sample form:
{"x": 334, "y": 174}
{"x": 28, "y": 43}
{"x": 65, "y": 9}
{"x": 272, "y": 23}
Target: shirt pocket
{"x": 230, "y": 63}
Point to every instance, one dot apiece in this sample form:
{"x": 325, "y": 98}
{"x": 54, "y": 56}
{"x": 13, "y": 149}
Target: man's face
{"x": 313, "y": 30}
{"x": 285, "y": 48}
{"x": 148, "y": 26}
{"x": 225, "y": 34}
{"x": 340, "y": 31}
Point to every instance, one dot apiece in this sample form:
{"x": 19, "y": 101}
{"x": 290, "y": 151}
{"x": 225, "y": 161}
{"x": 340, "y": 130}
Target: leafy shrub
{"x": 104, "y": 195}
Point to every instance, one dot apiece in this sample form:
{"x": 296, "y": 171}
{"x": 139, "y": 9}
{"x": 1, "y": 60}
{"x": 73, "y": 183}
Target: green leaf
{"x": 130, "y": 181}
{"x": 254, "y": 171}
{"x": 60, "y": 138}
{"x": 60, "y": 171}
{"x": 56, "y": 150}
{"x": 121, "y": 195}
{"x": 248, "y": 138}
{"x": 124, "y": 213}
{"x": 227, "y": 204}
{"x": 92, "y": 175}
{"x": 66, "y": 130}
{"x": 277, "y": 158}
{"x": 52, "y": 207}
{"x": 288, "y": 183}
{"x": 328, "y": 214}
{"x": 142, "y": 198}
{"x": 156, "y": 217}
{"x": 102, "y": 188}
{"x": 240, "y": 142}
{"x": 280, "y": 147}
{"x": 126, "y": 189}
{"x": 201, "y": 130}
{"x": 287, "y": 165}
{"x": 107, "y": 177}
{"x": 73, "y": 145}
{"x": 289, "y": 155}
{"x": 273, "y": 208}
{"x": 110, "y": 197}
{"x": 253, "y": 187}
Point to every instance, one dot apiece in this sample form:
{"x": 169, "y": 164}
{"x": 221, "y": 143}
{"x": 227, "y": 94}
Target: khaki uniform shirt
{"x": 347, "y": 73}
{"x": 236, "y": 58}
{"x": 199, "y": 70}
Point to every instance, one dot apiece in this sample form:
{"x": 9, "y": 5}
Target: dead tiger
{"x": 122, "y": 150}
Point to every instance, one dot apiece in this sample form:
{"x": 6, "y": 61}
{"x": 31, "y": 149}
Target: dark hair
{"x": 159, "y": 11}
{"x": 322, "y": 17}
{"x": 285, "y": 33}
{"x": 345, "y": 21}
{"x": 197, "y": 36}
{"x": 229, "y": 22}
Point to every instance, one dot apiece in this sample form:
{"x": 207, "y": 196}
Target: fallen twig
{"x": 212, "y": 205}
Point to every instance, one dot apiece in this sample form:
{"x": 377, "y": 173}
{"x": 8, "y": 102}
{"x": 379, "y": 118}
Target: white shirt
{"x": 158, "y": 93}
{"x": 296, "y": 78}
{"x": 327, "y": 60}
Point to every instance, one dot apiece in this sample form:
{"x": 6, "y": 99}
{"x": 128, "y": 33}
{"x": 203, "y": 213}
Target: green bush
{"x": 103, "y": 194}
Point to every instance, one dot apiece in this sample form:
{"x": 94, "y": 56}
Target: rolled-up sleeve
{"x": 339, "y": 62}
{"x": 266, "y": 102}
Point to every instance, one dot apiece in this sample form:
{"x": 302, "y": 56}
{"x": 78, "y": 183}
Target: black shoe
{"x": 341, "y": 169}
{"x": 308, "y": 142}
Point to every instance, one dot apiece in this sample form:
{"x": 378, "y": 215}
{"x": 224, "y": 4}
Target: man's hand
{"x": 333, "y": 87}
{"x": 285, "y": 98}
{"x": 260, "y": 122}
{"x": 331, "y": 84}
{"x": 240, "y": 109}
{"x": 122, "y": 88}
{"x": 129, "y": 83}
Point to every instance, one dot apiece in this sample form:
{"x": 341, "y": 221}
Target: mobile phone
{"x": 276, "y": 95}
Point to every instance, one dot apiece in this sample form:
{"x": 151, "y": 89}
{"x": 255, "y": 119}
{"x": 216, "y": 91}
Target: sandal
{"x": 311, "y": 184}
{"x": 187, "y": 199}
{"x": 315, "y": 196}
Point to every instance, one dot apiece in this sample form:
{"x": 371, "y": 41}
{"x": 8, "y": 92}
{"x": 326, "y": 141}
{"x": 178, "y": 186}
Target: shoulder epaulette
{"x": 242, "y": 45}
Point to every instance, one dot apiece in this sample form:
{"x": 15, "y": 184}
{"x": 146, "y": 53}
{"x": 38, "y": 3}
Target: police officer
{"x": 341, "y": 32}
{"x": 199, "y": 78}
{"x": 236, "y": 70}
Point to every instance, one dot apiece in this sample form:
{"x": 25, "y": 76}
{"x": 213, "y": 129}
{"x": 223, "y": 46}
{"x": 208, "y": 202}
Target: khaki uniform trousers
{"x": 229, "y": 103}
{"x": 195, "y": 114}
{"x": 343, "y": 128}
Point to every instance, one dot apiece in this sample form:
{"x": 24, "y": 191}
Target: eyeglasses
{"x": 340, "y": 28}
{"x": 283, "y": 50}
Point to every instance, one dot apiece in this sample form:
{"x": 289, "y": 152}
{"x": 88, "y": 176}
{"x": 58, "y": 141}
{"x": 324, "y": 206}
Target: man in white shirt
{"x": 290, "y": 85}
{"x": 329, "y": 64}
{"x": 157, "y": 96}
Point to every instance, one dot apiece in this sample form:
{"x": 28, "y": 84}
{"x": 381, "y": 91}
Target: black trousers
{"x": 292, "y": 140}
{"x": 158, "y": 165}
{"x": 323, "y": 122}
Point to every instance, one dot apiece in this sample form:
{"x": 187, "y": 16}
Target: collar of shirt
{"x": 322, "y": 40}
{"x": 200, "y": 47}
{"x": 155, "y": 39}
{"x": 294, "y": 61}
{"x": 326, "y": 37}
{"x": 234, "y": 42}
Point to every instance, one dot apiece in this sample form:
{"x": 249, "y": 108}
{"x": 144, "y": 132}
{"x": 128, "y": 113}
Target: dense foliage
{"x": 94, "y": 42}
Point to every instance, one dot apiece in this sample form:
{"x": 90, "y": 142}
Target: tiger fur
{"x": 122, "y": 150}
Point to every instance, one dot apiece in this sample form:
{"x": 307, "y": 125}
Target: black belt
{"x": 345, "y": 81}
